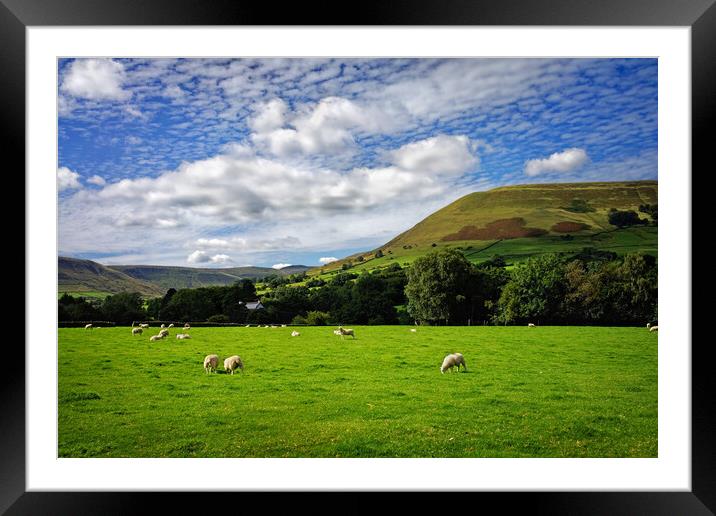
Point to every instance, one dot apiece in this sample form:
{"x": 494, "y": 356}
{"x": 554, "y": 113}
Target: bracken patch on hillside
{"x": 569, "y": 227}
{"x": 495, "y": 230}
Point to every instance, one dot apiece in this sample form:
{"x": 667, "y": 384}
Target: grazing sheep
{"x": 137, "y": 331}
{"x": 336, "y": 332}
{"x": 186, "y": 326}
{"x": 295, "y": 333}
{"x": 155, "y": 338}
{"x": 162, "y": 326}
{"x": 233, "y": 362}
{"x": 654, "y": 328}
{"x": 346, "y": 331}
{"x": 248, "y": 326}
{"x": 164, "y": 333}
{"x": 283, "y": 326}
{"x": 88, "y": 326}
{"x": 413, "y": 330}
{"x": 530, "y": 325}
{"x": 210, "y": 363}
{"x": 452, "y": 360}
{"x": 183, "y": 336}
{"x": 144, "y": 325}
{"x": 171, "y": 325}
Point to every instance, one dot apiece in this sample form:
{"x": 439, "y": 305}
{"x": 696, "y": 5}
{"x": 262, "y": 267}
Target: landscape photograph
{"x": 357, "y": 257}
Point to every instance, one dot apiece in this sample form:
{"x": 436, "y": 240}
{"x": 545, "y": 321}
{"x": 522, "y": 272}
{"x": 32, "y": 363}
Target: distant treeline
{"x": 442, "y": 287}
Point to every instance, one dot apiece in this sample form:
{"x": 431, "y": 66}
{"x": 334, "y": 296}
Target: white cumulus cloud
{"x": 203, "y": 257}
{"x": 97, "y": 180}
{"x": 280, "y": 265}
{"x": 565, "y": 161}
{"x": 67, "y": 180}
{"x": 327, "y": 259}
{"x": 96, "y": 79}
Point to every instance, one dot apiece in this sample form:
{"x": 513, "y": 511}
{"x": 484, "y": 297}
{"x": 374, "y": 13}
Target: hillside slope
{"x": 526, "y": 219}
{"x": 190, "y": 277}
{"x": 76, "y": 275}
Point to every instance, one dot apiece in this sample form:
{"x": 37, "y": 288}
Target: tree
{"x": 535, "y": 292}
{"x": 624, "y": 219}
{"x": 123, "y": 308}
{"x": 438, "y": 286}
{"x": 379, "y": 253}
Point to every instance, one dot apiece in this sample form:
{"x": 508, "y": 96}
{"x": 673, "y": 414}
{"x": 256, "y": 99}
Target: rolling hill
{"x": 522, "y": 220}
{"x": 76, "y": 275}
{"x": 192, "y": 277}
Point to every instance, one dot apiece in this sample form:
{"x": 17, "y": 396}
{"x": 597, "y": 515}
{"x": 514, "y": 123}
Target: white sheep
{"x": 233, "y": 362}
{"x": 88, "y": 326}
{"x": 210, "y": 363}
{"x": 183, "y": 336}
{"x": 137, "y": 331}
{"x": 452, "y": 360}
{"x": 294, "y": 333}
{"x": 336, "y": 332}
{"x": 164, "y": 332}
{"x": 530, "y": 325}
{"x": 186, "y": 326}
{"x": 346, "y": 331}
{"x": 283, "y": 326}
{"x": 413, "y": 330}
{"x": 155, "y": 338}
{"x": 171, "y": 325}
{"x": 162, "y": 326}
{"x": 144, "y": 325}
{"x": 654, "y": 328}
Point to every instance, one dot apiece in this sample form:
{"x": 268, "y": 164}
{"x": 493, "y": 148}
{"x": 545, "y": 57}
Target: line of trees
{"x": 442, "y": 287}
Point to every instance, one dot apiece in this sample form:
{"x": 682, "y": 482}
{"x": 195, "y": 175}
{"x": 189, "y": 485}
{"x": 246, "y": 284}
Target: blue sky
{"x": 229, "y": 162}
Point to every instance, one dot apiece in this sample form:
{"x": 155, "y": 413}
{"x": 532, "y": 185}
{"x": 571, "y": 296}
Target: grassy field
{"x": 528, "y": 392}
{"x": 89, "y": 294}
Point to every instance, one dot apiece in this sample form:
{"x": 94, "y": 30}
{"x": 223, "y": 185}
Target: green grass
{"x": 528, "y": 392}
{"x": 91, "y": 294}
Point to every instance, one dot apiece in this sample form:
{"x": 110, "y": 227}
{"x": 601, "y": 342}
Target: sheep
{"x": 233, "y": 362}
{"x": 183, "y": 336}
{"x": 137, "y": 331}
{"x": 88, "y": 326}
{"x": 155, "y": 338}
{"x": 162, "y": 326}
{"x": 346, "y": 331}
{"x": 295, "y": 333}
{"x": 210, "y": 363}
{"x": 336, "y": 332}
{"x": 654, "y": 328}
{"x": 171, "y": 325}
{"x": 648, "y": 325}
{"x": 144, "y": 326}
{"x": 186, "y": 326}
{"x": 452, "y": 360}
{"x": 530, "y": 325}
{"x": 413, "y": 330}
{"x": 283, "y": 326}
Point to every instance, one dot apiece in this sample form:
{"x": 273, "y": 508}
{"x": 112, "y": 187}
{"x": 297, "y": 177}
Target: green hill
{"x": 523, "y": 220}
{"x": 87, "y": 277}
{"x": 75, "y": 275}
{"x": 192, "y": 277}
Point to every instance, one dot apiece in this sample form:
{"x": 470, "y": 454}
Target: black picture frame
{"x": 700, "y": 15}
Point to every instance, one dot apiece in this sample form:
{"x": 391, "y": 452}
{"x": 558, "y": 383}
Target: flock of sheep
{"x": 232, "y": 363}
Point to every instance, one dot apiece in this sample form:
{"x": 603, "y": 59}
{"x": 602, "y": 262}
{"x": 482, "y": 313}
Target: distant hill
{"x": 76, "y": 275}
{"x": 523, "y": 220}
{"x": 192, "y": 277}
